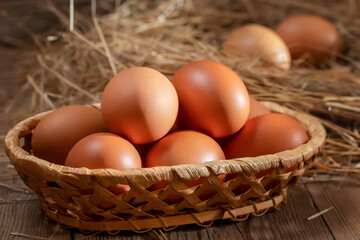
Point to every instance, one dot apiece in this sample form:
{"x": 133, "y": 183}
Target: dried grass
{"x": 74, "y": 66}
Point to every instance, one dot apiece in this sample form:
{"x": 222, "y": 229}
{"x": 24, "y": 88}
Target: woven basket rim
{"x": 186, "y": 172}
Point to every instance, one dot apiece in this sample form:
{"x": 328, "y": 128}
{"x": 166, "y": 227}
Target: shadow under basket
{"x": 263, "y": 182}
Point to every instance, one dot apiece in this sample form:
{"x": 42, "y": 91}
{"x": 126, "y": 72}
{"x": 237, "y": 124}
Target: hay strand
{"x": 319, "y": 213}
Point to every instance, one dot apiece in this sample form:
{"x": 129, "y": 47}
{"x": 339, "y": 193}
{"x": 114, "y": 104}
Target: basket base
{"x": 142, "y": 225}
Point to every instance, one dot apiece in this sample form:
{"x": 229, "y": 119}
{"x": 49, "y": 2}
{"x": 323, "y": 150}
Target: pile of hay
{"x": 74, "y": 66}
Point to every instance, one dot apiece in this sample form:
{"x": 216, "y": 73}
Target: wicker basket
{"x": 141, "y": 209}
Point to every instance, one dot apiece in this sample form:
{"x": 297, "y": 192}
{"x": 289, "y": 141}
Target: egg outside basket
{"x": 140, "y": 209}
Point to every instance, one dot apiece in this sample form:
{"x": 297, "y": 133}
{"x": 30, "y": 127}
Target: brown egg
{"x": 184, "y": 147}
{"x": 104, "y": 150}
{"x": 253, "y": 40}
{"x": 257, "y": 108}
{"x": 265, "y": 134}
{"x": 312, "y": 37}
{"x": 139, "y": 104}
{"x": 213, "y": 99}
{"x": 58, "y": 132}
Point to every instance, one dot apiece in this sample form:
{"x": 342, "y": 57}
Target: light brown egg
{"x": 256, "y": 109}
{"x": 58, "y": 132}
{"x": 253, "y": 40}
{"x": 184, "y": 147}
{"x": 312, "y": 37}
{"x": 139, "y": 104}
{"x": 104, "y": 150}
{"x": 213, "y": 99}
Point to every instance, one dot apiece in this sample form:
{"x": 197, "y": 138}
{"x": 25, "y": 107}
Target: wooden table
{"x": 20, "y": 214}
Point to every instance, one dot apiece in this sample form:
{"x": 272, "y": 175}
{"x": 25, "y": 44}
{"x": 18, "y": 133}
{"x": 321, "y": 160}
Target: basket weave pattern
{"x": 141, "y": 209}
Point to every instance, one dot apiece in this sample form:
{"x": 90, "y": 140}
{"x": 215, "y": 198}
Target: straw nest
{"x": 74, "y": 66}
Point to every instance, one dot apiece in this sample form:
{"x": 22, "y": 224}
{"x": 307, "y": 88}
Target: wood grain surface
{"x": 21, "y": 216}
{"x": 344, "y": 219}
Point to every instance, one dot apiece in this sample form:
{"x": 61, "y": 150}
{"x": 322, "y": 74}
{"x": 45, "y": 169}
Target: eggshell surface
{"x": 254, "y": 40}
{"x": 266, "y": 134}
{"x": 184, "y": 147}
{"x": 213, "y": 99}
{"x": 58, "y": 131}
{"x": 104, "y": 150}
{"x": 312, "y": 37}
{"x": 139, "y": 104}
